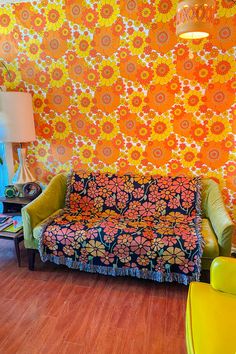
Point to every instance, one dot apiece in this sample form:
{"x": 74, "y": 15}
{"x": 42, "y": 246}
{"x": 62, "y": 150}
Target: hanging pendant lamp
{"x": 194, "y": 19}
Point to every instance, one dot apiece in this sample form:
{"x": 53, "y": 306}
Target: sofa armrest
{"x": 52, "y": 199}
{"x": 220, "y": 220}
{"x": 223, "y": 274}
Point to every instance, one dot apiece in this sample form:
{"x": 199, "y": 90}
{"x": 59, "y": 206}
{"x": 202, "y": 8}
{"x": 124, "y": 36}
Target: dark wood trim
{"x": 31, "y": 258}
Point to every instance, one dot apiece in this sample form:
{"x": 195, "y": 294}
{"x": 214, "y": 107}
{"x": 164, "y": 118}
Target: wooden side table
{"x": 11, "y": 207}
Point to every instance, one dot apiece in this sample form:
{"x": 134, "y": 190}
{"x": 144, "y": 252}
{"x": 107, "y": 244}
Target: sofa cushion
{"x": 211, "y": 248}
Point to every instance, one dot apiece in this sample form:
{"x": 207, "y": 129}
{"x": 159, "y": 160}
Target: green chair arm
{"x": 220, "y": 220}
{"x": 52, "y": 199}
{"x": 223, "y": 274}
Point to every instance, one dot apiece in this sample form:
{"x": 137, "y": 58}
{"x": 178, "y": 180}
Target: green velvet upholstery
{"x": 217, "y": 226}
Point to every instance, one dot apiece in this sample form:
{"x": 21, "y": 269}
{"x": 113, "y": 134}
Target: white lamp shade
{"x": 16, "y": 117}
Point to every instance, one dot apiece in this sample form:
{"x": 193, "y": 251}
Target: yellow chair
{"x": 211, "y": 311}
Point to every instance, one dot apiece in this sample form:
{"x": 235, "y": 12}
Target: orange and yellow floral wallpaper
{"x": 114, "y": 89}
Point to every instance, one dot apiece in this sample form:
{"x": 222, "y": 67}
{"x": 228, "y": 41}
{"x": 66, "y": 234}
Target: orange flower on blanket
{"x": 106, "y": 152}
{"x": 53, "y": 45}
{"x": 106, "y": 99}
{"x": 212, "y": 155}
{"x": 105, "y": 42}
{"x": 129, "y": 68}
{"x": 157, "y": 154}
{"x": 161, "y": 37}
{"x": 160, "y": 99}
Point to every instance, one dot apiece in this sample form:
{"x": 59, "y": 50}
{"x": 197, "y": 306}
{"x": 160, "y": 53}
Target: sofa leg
{"x": 31, "y": 258}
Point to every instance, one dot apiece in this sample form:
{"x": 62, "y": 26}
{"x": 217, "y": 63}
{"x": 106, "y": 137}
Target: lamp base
{"x": 23, "y": 174}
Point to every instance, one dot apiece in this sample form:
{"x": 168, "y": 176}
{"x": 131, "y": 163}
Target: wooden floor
{"x": 58, "y": 310}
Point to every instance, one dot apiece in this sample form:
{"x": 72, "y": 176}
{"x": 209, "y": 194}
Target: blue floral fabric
{"x": 128, "y": 225}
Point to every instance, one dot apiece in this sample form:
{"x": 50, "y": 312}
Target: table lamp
{"x": 17, "y": 126}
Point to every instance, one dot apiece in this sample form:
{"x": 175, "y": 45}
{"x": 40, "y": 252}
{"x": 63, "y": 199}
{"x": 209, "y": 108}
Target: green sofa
{"x": 217, "y": 226}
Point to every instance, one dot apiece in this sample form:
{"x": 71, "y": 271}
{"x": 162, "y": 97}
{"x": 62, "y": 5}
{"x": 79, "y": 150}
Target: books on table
{"x": 10, "y": 223}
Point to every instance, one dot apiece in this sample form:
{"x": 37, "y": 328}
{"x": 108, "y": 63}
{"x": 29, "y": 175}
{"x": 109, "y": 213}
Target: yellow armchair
{"x": 211, "y": 311}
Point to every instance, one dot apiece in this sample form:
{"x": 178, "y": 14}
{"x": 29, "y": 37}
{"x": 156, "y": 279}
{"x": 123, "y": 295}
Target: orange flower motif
{"x": 23, "y": 14}
{"x": 118, "y": 28}
{"x": 38, "y": 22}
{"x": 181, "y": 51}
{"x": 74, "y": 10}
{"x": 105, "y": 42}
{"x": 91, "y": 77}
{"x": 186, "y": 68}
{"x": 106, "y": 151}
{"x": 106, "y": 100}
{"x": 61, "y": 151}
{"x": 57, "y": 100}
{"x": 157, "y": 154}
{"x": 199, "y": 132}
{"x": 45, "y": 130}
{"x": 203, "y": 73}
{"x": 8, "y": 48}
{"x": 92, "y": 131}
{"x": 129, "y": 68}
{"x": 129, "y": 8}
{"x": 42, "y": 79}
{"x": 79, "y": 122}
{"x": 183, "y": 125}
{"x": 178, "y": 111}
{"x": 219, "y": 97}
{"x": 119, "y": 87}
{"x": 123, "y": 54}
{"x": 53, "y": 45}
{"x": 161, "y": 37}
{"x": 212, "y": 155}
{"x": 29, "y": 72}
{"x": 89, "y": 18}
{"x": 76, "y": 70}
{"x": 143, "y": 131}
{"x": 176, "y": 169}
{"x": 160, "y": 99}
{"x": 146, "y": 13}
{"x": 224, "y": 33}
{"x": 129, "y": 124}
{"x": 174, "y": 85}
{"x": 144, "y": 75}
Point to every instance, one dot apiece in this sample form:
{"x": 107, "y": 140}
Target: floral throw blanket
{"x": 142, "y": 226}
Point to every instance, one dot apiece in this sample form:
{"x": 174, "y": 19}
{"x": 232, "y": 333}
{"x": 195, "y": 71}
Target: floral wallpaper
{"x": 114, "y": 89}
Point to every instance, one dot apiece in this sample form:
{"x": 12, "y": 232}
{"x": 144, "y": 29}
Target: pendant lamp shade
{"x": 194, "y": 19}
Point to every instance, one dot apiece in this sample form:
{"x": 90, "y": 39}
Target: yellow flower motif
{"x": 85, "y": 102}
{"x": 165, "y": 10}
{"x": 95, "y": 248}
{"x": 15, "y": 76}
{"x": 197, "y": 44}
{"x": 55, "y": 16}
{"x": 86, "y": 153}
{"x": 61, "y": 127}
{"x": 109, "y": 127}
{"x": 137, "y": 42}
{"x": 224, "y": 68}
{"x": 219, "y": 128}
{"x": 136, "y": 101}
{"x": 33, "y": 49}
{"x": 161, "y": 127}
{"x": 83, "y": 46}
{"x": 135, "y": 155}
{"x": 109, "y": 169}
{"x": 38, "y": 103}
{"x": 109, "y": 72}
{"x": 189, "y": 156}
{"x": 41, "y": 151}
{"x": 58, "y": 73}
{"x": 226, "y": 8}
{"x": 108, "y": 11}
{"x": 164, "y": 69}
{"x": 192, "y": 101}
{"x": 7, "y": 19}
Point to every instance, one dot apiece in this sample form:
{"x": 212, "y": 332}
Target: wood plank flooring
{"x": 62, "y": 311}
